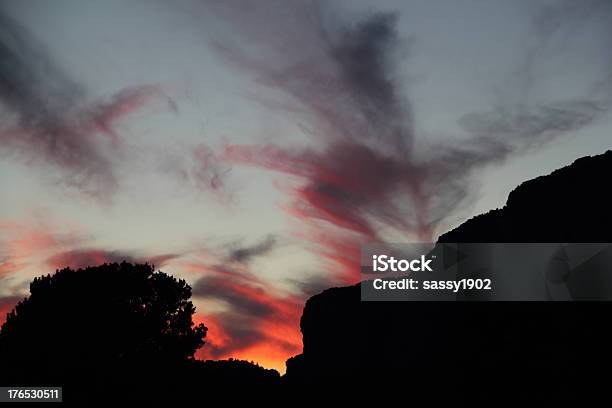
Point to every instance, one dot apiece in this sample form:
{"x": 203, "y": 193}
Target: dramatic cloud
{"x": 366, "y": 175}
{"x": 254, "y": 315}
{"x": 47, "y": 117}
{"x": 243, "y": 299}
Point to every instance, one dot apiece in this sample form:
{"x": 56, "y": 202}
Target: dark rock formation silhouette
{"x": 461, "y": 352}
{"x": 569, "y": 205}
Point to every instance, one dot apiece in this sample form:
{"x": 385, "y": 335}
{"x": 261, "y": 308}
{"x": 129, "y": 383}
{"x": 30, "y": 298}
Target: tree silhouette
{"x": 118, "y": 323}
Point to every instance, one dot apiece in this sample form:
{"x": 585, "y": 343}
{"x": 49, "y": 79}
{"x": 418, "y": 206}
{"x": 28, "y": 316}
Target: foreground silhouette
{"x": 127, "y": 328}
{"x": 116, "y": 332}
{"x": 461, "y": 352}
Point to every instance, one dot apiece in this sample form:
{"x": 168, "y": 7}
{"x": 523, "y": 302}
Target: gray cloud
{"x": 243, "y": 300}
{"x": 244, "y": 254}
{"x": 201, "y": 168}
{"x": 47, "y": 117}
{"x": 339, "y": 77}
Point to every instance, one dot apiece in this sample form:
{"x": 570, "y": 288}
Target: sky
{"x": 251, "y": 147}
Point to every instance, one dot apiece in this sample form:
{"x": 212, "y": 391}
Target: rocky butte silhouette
{"x": 462, "y": 352}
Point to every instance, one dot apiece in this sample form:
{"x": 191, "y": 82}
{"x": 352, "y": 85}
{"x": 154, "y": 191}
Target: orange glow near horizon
{"x": 281, "y": 339}
{"x": 267, "y": 338}
{"x": 268, "y": 354}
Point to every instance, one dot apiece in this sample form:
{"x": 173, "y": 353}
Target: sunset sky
{"x": 250, "y": 147}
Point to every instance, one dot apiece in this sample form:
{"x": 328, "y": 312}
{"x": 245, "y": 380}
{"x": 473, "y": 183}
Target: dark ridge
{"x": 461, "y": 352}
{"x": 563, "y": 206}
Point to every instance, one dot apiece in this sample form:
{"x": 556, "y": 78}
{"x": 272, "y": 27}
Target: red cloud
{"x": 256, "y": 325}
{"x": 70, "y": 141}
{"x": 51, "y": 119}
{"x": 371, "y": 176}
{"x": 350, "y": 187}
{"x": 21, "y": 243}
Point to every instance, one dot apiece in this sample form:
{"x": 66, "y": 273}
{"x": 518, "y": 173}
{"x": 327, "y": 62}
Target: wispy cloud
{"x": 48, "y": 117}
{"x": 201, "y": 168}
{"x": 369, "y": 172}
{"x": 244, "y": 254}
{"x": 253, "y": 312}
{"x": 23, "y": 243}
